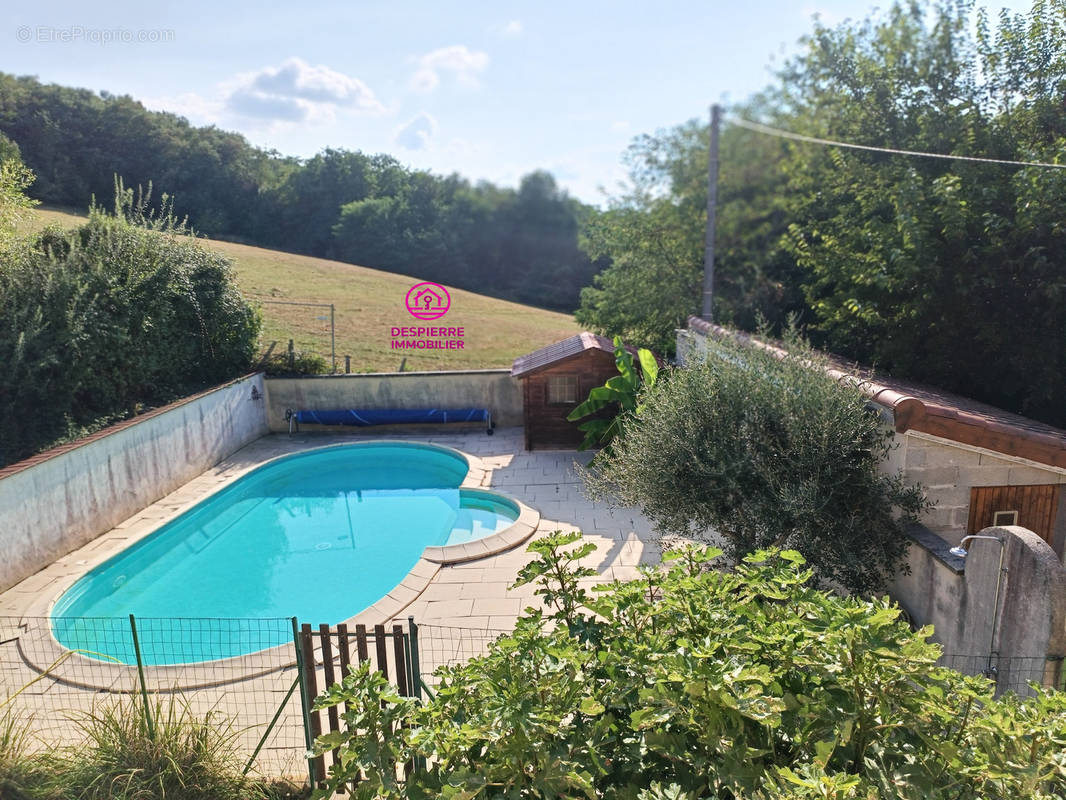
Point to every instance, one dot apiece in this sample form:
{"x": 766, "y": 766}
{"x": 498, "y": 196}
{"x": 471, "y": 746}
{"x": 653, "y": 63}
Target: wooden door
{"x": 1035, "y": 507}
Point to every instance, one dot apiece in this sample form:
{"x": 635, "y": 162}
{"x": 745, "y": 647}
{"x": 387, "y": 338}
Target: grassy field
{"x": 367, "y": 303}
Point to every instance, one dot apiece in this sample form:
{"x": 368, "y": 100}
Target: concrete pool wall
{"x": 58, "y": 500}
{"x": 494, "y": 389}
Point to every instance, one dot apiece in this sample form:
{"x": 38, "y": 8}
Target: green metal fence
{"x": 54, "y": 674}
{"x": 262, "y": 675}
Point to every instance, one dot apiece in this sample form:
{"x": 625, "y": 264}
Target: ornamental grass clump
{"x": 117, "y": 755}
{"x": 180, "y": 756}
{"x": 22, "y": 777}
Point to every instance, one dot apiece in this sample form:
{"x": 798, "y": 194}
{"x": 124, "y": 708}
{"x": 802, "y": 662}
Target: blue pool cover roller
{"x": 394, "y": 416}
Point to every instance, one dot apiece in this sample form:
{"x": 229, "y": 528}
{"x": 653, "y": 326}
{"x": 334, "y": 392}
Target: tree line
{"x": 944, "y": 271}
{"x": 949, "y": 272}
{"x": 518, "y": 244}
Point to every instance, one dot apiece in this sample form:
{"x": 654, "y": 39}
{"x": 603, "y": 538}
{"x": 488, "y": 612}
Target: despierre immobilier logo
{"x": 427, "y": 301}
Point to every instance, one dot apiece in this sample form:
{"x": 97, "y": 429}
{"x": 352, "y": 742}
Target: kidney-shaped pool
{"x": 319, "y": 535}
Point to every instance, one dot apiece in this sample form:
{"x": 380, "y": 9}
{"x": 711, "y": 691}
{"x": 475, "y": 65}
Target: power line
{"x": 798, "y": 137}
{"x": 712, "y": 215}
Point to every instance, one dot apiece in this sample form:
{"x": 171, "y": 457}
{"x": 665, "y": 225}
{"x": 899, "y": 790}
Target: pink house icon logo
{"x": 428, "y": 301}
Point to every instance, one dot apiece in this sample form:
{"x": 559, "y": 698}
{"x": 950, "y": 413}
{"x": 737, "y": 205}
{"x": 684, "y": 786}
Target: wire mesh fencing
{"x": 1010, "y": 673}
{"x": 57, "y": 674}
{"x": 244, "y": 674}
{"x": 297, "y": 331}
{"x": 442, "y": 645}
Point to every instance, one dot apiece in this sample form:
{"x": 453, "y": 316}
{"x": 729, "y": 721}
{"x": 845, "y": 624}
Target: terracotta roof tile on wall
{"x": 59, "y": 450}
{"x": 916, "y": 407}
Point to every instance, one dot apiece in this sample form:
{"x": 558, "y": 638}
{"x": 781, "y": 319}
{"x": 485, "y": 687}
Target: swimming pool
{"x": 319, "y": 535}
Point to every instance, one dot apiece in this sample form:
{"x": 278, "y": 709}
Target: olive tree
{"x": 759, "y": 447}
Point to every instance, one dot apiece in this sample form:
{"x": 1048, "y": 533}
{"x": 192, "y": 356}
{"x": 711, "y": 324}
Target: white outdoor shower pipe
{"x": 961, "y": 551}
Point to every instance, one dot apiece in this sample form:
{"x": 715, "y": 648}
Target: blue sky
{"x": 491, "y": 90}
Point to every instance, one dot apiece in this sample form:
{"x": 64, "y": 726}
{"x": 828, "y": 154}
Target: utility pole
{"x": 712, "y": 214}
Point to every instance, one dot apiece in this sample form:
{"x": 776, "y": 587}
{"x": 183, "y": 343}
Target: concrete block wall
{"x": 1024, "y": 635}
{"x": 948, "y": 470}
{"x": 494, "y": 389}
{"x": 60, "y": 500}
{"x": 931, "y": 590}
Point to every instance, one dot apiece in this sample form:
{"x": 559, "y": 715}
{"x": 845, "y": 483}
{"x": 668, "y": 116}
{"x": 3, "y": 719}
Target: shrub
{"x": 14, "y": 179}
{"x": 692, "y": 682}
{"x": 301, "y": 363}
{"x": 122, "y": 313}
{"x": 753, "y": 450}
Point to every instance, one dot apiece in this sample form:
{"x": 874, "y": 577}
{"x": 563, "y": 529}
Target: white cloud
{"x": 513, "y": 28}
{"x": 457, "y": 60}
{"x": 619, "y": 125}
{"x": 250, "y": 103}
{"x": 462, "y": 148}
{"x": 296, "y": 91}
{"x": 425, "y": 80}
{"x": 415, "y": 135}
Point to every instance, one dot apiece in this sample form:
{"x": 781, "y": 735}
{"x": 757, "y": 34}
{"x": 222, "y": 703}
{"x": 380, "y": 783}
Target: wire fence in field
{"x": 54, "y": 673}
{"x": 294, "y": 330}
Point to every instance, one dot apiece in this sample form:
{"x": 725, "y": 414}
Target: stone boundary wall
{"x": 61, "y": 499}
{"x": 493, "y": 389}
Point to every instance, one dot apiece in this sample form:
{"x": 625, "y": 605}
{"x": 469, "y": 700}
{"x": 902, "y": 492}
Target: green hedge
{"x": 102, "y": 321}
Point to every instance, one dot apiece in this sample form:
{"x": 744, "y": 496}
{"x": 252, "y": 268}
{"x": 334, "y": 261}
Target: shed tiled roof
{"x": 559, "y": 351}
{"x": 916, "y": 407}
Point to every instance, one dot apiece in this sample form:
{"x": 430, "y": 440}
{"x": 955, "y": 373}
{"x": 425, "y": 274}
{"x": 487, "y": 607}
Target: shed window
{"x": 1005, "y": 518}
{"x": 562, "y": 389}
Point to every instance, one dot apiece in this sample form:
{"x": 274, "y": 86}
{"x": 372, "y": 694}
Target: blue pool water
{"x": 319, "y": 535}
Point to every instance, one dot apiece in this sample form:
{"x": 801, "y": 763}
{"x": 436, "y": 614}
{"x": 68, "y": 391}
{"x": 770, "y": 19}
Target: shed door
{"x": 1032, "y": 507}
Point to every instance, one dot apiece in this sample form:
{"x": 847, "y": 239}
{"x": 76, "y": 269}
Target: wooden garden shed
{"x": 554, "y": 380}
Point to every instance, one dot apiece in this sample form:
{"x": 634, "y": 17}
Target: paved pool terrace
{"x": 472, "y": 598}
